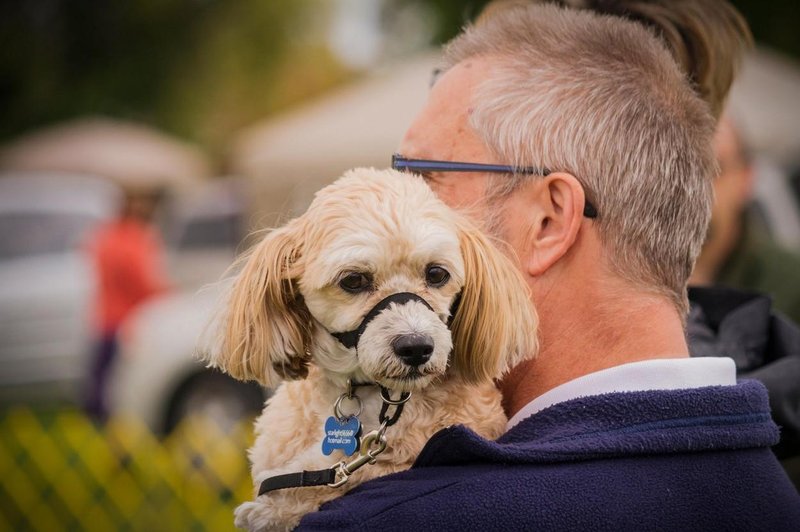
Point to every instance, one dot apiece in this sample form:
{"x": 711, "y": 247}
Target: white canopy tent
{"x": 765, "y": 102}
{"x": 361, "y": 124}
{"x": 131, "y": 154}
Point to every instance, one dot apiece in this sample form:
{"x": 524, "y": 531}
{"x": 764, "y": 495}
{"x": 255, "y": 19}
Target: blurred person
{"x": 601, "y": 183}
{"x": 127, "y": 257}
{"x": 738, "y": 251}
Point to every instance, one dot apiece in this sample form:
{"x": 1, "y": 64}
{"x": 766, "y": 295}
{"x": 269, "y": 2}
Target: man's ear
{"x": 555, "y": 207}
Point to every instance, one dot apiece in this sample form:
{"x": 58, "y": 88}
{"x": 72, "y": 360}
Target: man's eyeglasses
{"x": 405, "y": 164}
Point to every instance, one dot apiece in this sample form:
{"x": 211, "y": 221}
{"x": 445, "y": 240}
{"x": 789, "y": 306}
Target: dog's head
{"x": 365, "y": 283}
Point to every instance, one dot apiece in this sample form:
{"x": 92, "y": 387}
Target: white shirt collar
{"x": 661, "y": 374}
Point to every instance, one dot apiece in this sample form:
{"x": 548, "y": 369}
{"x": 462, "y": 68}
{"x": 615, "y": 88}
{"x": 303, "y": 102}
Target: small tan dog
{"x": 360, "y": 289}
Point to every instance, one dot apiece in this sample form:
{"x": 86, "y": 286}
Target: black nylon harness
{"x": 350, "y": 339}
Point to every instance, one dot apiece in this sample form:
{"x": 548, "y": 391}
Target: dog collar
{"x": 371, "y": 445}
{"x": 350, "y": 339}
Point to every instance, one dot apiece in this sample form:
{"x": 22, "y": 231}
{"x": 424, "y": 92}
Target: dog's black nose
{"x": 413, "y": 349}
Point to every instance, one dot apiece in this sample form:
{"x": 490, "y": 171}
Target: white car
{"x": 47, "y": 289}
{"x": 160, "y": 377}
{"x": 46, "y": 282}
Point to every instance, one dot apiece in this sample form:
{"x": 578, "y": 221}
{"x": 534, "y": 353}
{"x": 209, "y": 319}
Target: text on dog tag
{"x": 342, "y": 435}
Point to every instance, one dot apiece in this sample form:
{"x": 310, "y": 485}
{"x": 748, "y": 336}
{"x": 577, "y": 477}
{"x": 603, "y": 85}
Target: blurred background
{"x": 141, "y": 142}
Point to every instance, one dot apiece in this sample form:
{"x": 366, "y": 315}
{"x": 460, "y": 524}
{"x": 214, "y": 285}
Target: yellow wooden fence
{"x": 61, "y": 472}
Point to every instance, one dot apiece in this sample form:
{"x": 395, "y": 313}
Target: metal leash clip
{"x": 366, "y": 455}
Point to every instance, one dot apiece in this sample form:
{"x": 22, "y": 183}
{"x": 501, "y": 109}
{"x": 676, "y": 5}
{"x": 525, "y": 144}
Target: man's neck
{"x": 573, "y": 345}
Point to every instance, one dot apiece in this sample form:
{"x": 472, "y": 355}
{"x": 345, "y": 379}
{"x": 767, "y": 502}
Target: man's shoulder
{"x": 761, "y": 264}
{"x": 777, "y": 263}
{"x": 623, "y": 457}
{"x": 479, "y": 496}
{"x": 596, "y": 494}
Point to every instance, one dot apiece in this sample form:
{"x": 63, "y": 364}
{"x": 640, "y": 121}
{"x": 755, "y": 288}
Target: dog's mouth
{"x": 405, "y": 347}
{"x": 411, "y": 374}
{"x": 409, "y": 380}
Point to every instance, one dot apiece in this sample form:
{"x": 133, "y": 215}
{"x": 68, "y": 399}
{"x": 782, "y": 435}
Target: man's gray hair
{"x": 602, "y": 98}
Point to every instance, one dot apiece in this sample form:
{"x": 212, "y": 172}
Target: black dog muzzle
{"x": 350, "y": 339}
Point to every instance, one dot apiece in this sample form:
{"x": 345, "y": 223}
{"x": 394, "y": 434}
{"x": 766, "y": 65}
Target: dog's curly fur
{"x": 287, "y": 300}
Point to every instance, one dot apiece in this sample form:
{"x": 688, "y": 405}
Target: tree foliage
{"x": 773, "y": 23}
{"x": 205, "y": 68}
{"x": 198, "y": 68}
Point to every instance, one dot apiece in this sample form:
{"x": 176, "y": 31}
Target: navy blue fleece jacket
{"x": 694, "y": 459}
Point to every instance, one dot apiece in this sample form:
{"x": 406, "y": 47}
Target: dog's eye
{"x": 355, "y": 282}
{"x": 436, "y": 276}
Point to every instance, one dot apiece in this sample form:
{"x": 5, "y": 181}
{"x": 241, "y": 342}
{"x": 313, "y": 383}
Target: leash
{"x": 371, "y": 445}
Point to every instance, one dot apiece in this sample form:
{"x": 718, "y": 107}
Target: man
{"x": 612, "y": 426}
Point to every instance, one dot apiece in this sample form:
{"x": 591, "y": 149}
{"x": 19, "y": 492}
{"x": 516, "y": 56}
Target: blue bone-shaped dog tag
{"x": 342, "y": 435}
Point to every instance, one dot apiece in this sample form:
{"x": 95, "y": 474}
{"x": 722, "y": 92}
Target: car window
{"x": 211, "y": 232}
{"x": 25, "y": 234}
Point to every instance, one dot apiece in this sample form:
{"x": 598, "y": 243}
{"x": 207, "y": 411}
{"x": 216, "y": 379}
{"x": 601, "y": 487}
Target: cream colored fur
{"x": 287, "y": 300}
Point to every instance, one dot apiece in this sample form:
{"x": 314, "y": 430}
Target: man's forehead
{"x": 454, "y": 91}
{"x": 469, "y": 70}
{"x": 444, "y": 118}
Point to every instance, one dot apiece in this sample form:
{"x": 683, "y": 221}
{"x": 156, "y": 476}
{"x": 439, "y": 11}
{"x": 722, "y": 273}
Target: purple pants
{"x": 105, "y": 352}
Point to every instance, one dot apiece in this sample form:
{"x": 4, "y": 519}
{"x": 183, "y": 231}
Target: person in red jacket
{"x": 127, "y": 258}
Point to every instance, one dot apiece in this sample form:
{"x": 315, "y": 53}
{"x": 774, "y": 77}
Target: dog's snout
{"x": 413, "y": 349}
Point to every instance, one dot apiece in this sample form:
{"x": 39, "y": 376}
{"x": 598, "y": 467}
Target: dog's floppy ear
{"x": 266, "y": 332}
{"x": 494, "y": 327}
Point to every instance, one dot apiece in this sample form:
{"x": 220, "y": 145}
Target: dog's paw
{"x": 261, "y": 516}
{"x": 255, "y": 517}
{"x": 243, "y": 514}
